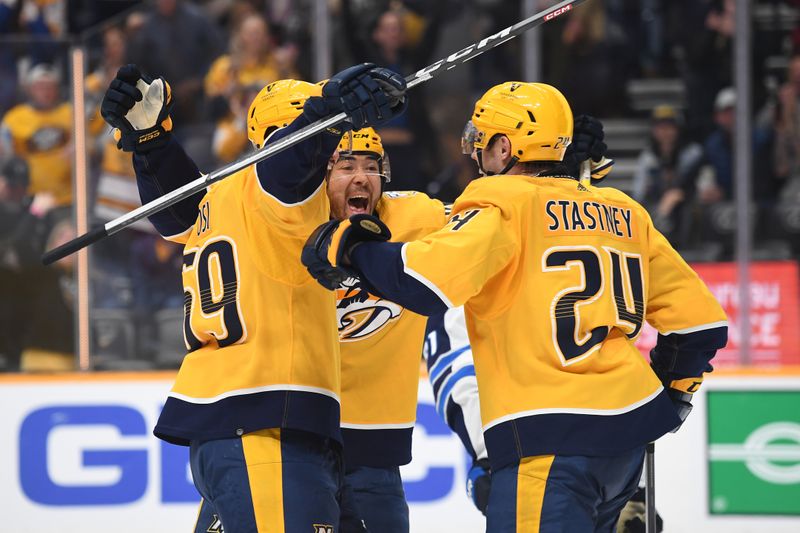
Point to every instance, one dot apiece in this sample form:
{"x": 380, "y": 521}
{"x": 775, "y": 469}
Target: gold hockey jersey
{"x": 557, "y": 278}
{"x": 261, "y": 335}
{"x": 381, "y": 346}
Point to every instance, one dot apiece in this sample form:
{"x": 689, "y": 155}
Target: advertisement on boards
{"x": 754, "y": 452}
{"x": 774, "y": 312}
{"x": 79, "y": 456}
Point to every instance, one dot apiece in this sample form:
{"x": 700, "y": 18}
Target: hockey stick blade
{"x": 422, "y": 75}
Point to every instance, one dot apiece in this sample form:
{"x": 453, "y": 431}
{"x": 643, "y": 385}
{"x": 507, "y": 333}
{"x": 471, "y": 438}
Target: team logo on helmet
{"x": 359, "y": 314}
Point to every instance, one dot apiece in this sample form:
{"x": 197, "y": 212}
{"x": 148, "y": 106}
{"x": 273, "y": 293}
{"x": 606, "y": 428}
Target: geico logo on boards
{"x": 771, "y": 453}
{"x": 114, "y": 474}
{"x": 115, "y": 446}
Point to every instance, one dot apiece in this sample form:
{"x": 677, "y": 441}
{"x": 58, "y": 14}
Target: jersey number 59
{"x": 211, "y": 279}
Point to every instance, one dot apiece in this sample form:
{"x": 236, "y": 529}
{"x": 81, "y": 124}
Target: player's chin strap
{"x": 479, "y": 154}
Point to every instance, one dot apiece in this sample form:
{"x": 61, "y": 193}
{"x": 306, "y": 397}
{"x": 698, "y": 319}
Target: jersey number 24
{"x": 627, "y": 290}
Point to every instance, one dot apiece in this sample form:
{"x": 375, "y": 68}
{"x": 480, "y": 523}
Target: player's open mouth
{"x": 357, "y": 204}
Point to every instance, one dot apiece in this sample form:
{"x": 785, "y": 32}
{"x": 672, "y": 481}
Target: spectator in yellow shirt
{"x": 39, "y": 131}
{"x": 251, "y": 60}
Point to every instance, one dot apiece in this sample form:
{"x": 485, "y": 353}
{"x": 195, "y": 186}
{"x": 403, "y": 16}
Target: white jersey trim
{"x": 422, "y": 279}
{"x": 694, "y": 329}
{"x": 284, "y": 204}
{"x": 254, "y": 390}
{"x": 573, "y": 411}
{"x": 345, "y": 425}
{"x": 177, "y": 236}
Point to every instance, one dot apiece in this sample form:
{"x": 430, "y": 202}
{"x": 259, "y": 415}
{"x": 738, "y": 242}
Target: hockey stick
{"x": 181, "y": 193}
{"x": 650, "y": 488}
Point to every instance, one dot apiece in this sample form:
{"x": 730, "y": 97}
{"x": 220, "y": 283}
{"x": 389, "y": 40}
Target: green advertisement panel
{"x": 754, "y": 452}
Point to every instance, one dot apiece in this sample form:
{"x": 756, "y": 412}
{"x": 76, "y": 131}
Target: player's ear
{"x": 505, "y": 149}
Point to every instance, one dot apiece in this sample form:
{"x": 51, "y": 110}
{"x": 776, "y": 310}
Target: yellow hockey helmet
{"x": 535, "y": 117}
{"x": 365, "y": 141}
{"x": 277, "y": 105}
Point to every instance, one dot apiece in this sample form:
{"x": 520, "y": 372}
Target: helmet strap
{"x": 513, "y": 161}
{"x": 479, "y": 153}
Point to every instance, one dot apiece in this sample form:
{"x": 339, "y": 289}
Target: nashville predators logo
{"x": 360, "y": 314}
{"x": 47, "y": 138}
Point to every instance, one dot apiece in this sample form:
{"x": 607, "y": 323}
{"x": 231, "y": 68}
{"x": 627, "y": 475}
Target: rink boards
{"x": 78, "y": 454}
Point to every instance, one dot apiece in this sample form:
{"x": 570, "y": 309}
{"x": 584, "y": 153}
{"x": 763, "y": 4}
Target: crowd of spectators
{"x": 217, "y": 54}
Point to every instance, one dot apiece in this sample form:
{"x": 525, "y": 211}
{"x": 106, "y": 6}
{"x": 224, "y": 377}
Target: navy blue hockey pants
{"x": 563, "y": 494}
{"x": 377, "y": 497}
{"x": 272, "y": 480}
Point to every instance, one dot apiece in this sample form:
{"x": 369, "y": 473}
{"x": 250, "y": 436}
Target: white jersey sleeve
{"x": 451, "y": 372}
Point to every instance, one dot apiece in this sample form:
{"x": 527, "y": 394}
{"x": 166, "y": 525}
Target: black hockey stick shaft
{"x": 650, "y": 488}
{"x": 422, "y": 75}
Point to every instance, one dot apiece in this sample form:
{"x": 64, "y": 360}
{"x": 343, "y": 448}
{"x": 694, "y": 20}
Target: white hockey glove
{"x": 138, "y": 107}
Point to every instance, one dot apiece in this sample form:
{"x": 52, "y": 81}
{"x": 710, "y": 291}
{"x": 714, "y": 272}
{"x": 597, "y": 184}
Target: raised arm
{"x": 139, "y": 107}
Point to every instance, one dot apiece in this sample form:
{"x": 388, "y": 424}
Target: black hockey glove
{"x": 587, "y": 141}
{"x": 679, "y": 389}
{"x": 138, "y": 107}
{"x": 479, "y": 483}
{"x": 587, "y": 145}
{"x": 370, "y": 96}
{"x": 633, "y": 517}
{"x": 326, "y": 254}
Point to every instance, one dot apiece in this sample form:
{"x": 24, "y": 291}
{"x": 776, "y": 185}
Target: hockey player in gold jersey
{"x": 257, "y": 397}
{"x": 380, "y": 341}
{"x": 557, "y": 277}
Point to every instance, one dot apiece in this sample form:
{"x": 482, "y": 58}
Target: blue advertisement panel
{"x": 82, "y": 457}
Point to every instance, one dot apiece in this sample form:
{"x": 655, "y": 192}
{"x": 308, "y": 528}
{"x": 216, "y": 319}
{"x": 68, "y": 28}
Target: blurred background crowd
{"x": 659, "y": 73}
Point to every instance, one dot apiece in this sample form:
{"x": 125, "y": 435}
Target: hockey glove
{"x": 370, "y": 96}
{"x": 587, "y": 141}
{"x": 326, "y": 254}
{"x": 479, "y": 482}
{"x": 139, "y": 108}
{"x": 680, "y": 391}
{"x": 633, "y": 517}
{"x": 587, "y": 145}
